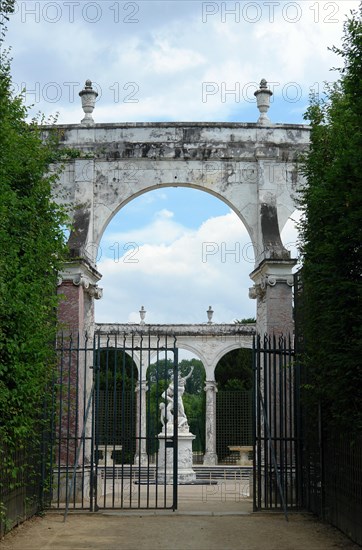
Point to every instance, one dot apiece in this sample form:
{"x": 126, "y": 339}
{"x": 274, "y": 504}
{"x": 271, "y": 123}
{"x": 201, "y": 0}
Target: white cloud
{"x": 161, "y": 231}
{"x": 165, "y": 58}
{"x": 171, "y": 51}
{"x": 177, "y": 280}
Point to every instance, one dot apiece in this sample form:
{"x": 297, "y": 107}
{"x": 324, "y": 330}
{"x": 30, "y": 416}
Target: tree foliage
{"x": 234, "y": 370}
{"x": 331, "y": 237}
{"x": 117, "y": 368}
{"x": 32, "y": 246}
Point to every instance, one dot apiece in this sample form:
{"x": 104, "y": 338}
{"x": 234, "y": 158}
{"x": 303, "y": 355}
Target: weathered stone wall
{"x": 250, "y": 168}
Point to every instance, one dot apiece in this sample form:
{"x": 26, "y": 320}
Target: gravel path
{"x": 175, "y": 531}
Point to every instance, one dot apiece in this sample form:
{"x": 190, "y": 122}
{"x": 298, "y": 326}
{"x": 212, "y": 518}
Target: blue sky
{"x": 175, "y": 61}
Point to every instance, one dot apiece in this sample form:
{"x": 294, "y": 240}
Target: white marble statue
{"x": 167, "y": 409}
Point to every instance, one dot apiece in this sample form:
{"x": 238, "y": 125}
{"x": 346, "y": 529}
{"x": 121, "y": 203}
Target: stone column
{"x": 210, "y": 457}
{"x": 141, "y": 456}
{"x": 273, "y": 284}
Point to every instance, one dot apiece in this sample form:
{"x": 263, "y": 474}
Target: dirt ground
{"x": 209, "y": 517}
{"x": 175, "y": 531}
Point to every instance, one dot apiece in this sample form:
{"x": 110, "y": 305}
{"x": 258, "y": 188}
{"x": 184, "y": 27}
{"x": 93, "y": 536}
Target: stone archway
{"x": 250, "y": 166}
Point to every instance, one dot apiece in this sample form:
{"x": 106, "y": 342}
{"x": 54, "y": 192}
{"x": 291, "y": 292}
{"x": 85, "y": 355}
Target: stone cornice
{"x": 176, "y": 330}
{"x": 181, "y": 125}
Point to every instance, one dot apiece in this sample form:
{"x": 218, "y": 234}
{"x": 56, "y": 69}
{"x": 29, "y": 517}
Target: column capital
{"x": 269, "y": 273}
{"x": 210, "y": 385}
{"x": 81, "y": 273}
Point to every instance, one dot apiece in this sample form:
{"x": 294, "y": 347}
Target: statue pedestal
{"x": 185, "y": 473}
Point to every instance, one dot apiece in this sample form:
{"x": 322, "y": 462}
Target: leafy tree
{"x": 196, "y": 383}
{"x": 331, "y": 237}
{"x": 234, "y": 370}
{"x": 164, "y": 369}
{"x": 117, "y": 368}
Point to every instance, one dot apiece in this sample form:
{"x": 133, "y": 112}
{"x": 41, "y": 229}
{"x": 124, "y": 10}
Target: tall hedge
{"x": 32, "y": 247}
{"x": 331, "y": 239}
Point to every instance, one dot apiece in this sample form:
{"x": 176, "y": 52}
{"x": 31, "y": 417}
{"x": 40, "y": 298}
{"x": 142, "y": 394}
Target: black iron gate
{"x": 114, "y": 443}
{"x": 277, "y": 471}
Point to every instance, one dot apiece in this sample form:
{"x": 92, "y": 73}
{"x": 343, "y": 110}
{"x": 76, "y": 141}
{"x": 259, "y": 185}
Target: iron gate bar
{"x": 131, "y": 410}
{"x": 105, "y": 433}
{"x": 140, "y": 435}
{"x": 274, "y": 458}
{"x": 175, "y": 431}
{"x": 165, "y": 377}
{"x": 95, "y": 453}
{"x": 60, "y": 417}
{"x": 273, "y": 374}
{"x": 148, "y": 423}
{"x": 78, "y": 454}
{"x": 297, "y": 416}
{"x": 114, "y": 418}
{"x": 52, "y": 442}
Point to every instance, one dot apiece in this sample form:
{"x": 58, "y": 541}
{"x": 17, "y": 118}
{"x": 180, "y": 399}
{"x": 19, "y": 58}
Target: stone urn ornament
{"x": 142, "y": 315}
{"x": 263, "y": 96}
{"x": 209, "y": 313}
{"x": 88, "y": 97}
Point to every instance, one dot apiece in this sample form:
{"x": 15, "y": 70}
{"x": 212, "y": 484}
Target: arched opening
{"x": 159, "y": 376}
{"x": 115, "y": 406}
{"x": 175, "y": 251}
{"x": 233, "y": 375}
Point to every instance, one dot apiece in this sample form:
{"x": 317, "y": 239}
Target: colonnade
{"x": 209, "y": 342}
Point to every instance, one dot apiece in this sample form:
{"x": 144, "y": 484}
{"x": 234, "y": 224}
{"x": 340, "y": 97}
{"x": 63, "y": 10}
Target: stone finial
{"x": 142, "y": 315}
{"x": 209, "y": 313}
{"x": 263, "y": 96}
{"x": 88, "y": 97}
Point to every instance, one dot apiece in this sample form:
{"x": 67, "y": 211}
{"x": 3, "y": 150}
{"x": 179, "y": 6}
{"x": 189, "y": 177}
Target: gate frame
{"x": 72, "y": 473}
{"x": 277, "y": 477}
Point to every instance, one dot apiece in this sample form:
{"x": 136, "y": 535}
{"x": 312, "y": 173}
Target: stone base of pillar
{"x": 185, "y": 472}
{"x": 210, "y": 459}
